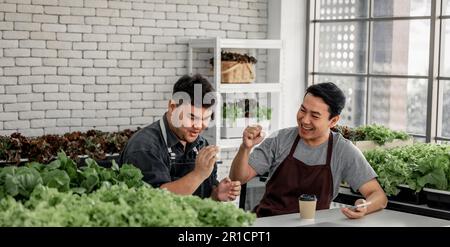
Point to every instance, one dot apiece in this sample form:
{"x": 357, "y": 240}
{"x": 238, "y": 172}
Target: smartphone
{"x": 362, "y": 205}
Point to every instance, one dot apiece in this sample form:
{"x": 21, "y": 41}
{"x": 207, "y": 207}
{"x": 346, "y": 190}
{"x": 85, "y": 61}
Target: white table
{"x": 334, "y": 217}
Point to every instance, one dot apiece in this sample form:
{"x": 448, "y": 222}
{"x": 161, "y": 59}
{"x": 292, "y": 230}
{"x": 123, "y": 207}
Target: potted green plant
{"x": 264, "y": 117}
{"x": 233, "y": 121}
{"x": 405, "y": 172}
{"x": 101, "y": 146}
{"x": 373, "y": 136}
{"x": 237, "y": 116}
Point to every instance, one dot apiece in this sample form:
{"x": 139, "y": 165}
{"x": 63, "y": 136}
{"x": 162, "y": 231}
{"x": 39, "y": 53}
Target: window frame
{"x": 434, "y": 105}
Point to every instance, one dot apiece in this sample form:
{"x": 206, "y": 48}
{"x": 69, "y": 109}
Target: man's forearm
{"x": 240, "y": 168}
{"x": 378, "y": 201}
{"x": 185, "y": 185}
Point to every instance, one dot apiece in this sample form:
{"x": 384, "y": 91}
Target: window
{"x": 390, "y": 57}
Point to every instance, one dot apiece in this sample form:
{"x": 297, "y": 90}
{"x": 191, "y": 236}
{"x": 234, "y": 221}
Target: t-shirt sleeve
{"x": 262, "y": 156}
{"x": 357, "y": 170}
{"x": 153, "y": 167}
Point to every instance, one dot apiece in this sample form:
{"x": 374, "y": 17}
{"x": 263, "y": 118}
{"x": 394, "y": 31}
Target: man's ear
{"x": 171, "y": 105}
{"x": 334, "y": 120}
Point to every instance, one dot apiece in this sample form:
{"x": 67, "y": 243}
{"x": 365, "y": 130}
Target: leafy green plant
{"x": 64, "y": 175}
{"x": 391, "y": 170}
{"x": 10, "y": 149}
{"x": 19, "y": 181}
{"x": 433, "y": 172}
{"x": 234, "y": 56}
{"x": 130, "y": 175}
{"x": 418, "y": 166}
{"x": 380, "y": 134}
{"x": 118, "y": 205}
{"x": 232, "y": 112}
{"x": 57, "y": 179}
{"x": 376, "y": 133}
{"x": 44, "y": 149}
{"x": 264, "y": 113}
{"x": 4, "y": 146}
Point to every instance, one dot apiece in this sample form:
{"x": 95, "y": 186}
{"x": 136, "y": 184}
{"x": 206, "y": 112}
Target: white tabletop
{"x": 334, "y": 217}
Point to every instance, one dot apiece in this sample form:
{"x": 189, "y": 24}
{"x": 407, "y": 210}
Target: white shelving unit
{"x": 272, "y": 84}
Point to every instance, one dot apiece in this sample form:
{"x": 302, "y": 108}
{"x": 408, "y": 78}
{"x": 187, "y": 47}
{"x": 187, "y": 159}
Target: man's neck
{"x": 318, "y": 141}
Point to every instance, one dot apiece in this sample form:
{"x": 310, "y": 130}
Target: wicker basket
{"x": 235, "y": 72}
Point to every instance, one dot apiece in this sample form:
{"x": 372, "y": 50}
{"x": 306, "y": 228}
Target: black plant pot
{"x": 409, "y": 196}
{"x": 437, "y": 198}
{"x": 107, "y": 163}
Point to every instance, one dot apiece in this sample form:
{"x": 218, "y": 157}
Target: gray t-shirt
{"x": 347, "y": 162}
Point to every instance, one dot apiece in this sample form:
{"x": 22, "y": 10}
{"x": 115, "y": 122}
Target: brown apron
{"x": 293, "y": 178}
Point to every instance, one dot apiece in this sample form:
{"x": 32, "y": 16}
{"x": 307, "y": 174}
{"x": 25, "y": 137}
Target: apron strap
{"x": 329, "y": 149}
{"x": 164, "y": 134}
{"x": 294, "y": 145}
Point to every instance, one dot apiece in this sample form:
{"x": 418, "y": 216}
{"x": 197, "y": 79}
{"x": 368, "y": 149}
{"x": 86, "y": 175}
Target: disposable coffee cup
{"x": 307, "y": 206}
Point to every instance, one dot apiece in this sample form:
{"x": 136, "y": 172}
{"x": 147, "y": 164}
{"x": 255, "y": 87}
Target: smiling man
{"x": 171, "y": 153}
{"x": 308, "y": 159}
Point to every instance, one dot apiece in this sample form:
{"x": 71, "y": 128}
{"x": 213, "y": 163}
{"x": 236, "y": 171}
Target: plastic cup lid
{"x": 307, "y": 197}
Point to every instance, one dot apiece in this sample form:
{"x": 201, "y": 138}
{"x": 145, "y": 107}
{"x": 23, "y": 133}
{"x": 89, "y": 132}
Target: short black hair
{"x": 331, "y": 94}
{"x": 187, "y": 84}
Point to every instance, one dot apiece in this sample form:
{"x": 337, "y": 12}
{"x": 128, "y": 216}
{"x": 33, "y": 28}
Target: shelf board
{"x": 236, "y": 43}
{"x": 229, "y": 143}
{"x": 250, "y": 88}
{"x": 236, "y": 142}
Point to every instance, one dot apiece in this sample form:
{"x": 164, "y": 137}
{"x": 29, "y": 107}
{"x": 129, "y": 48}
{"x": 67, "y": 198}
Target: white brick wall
{"x": 40, "y": 123}
{"x": 32, "y": 97}
{"x": 70, "y": 65}
{"x": 25, "y": 115}
{"x": 68, "y": 122}
{"x": 57, "y": 113}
